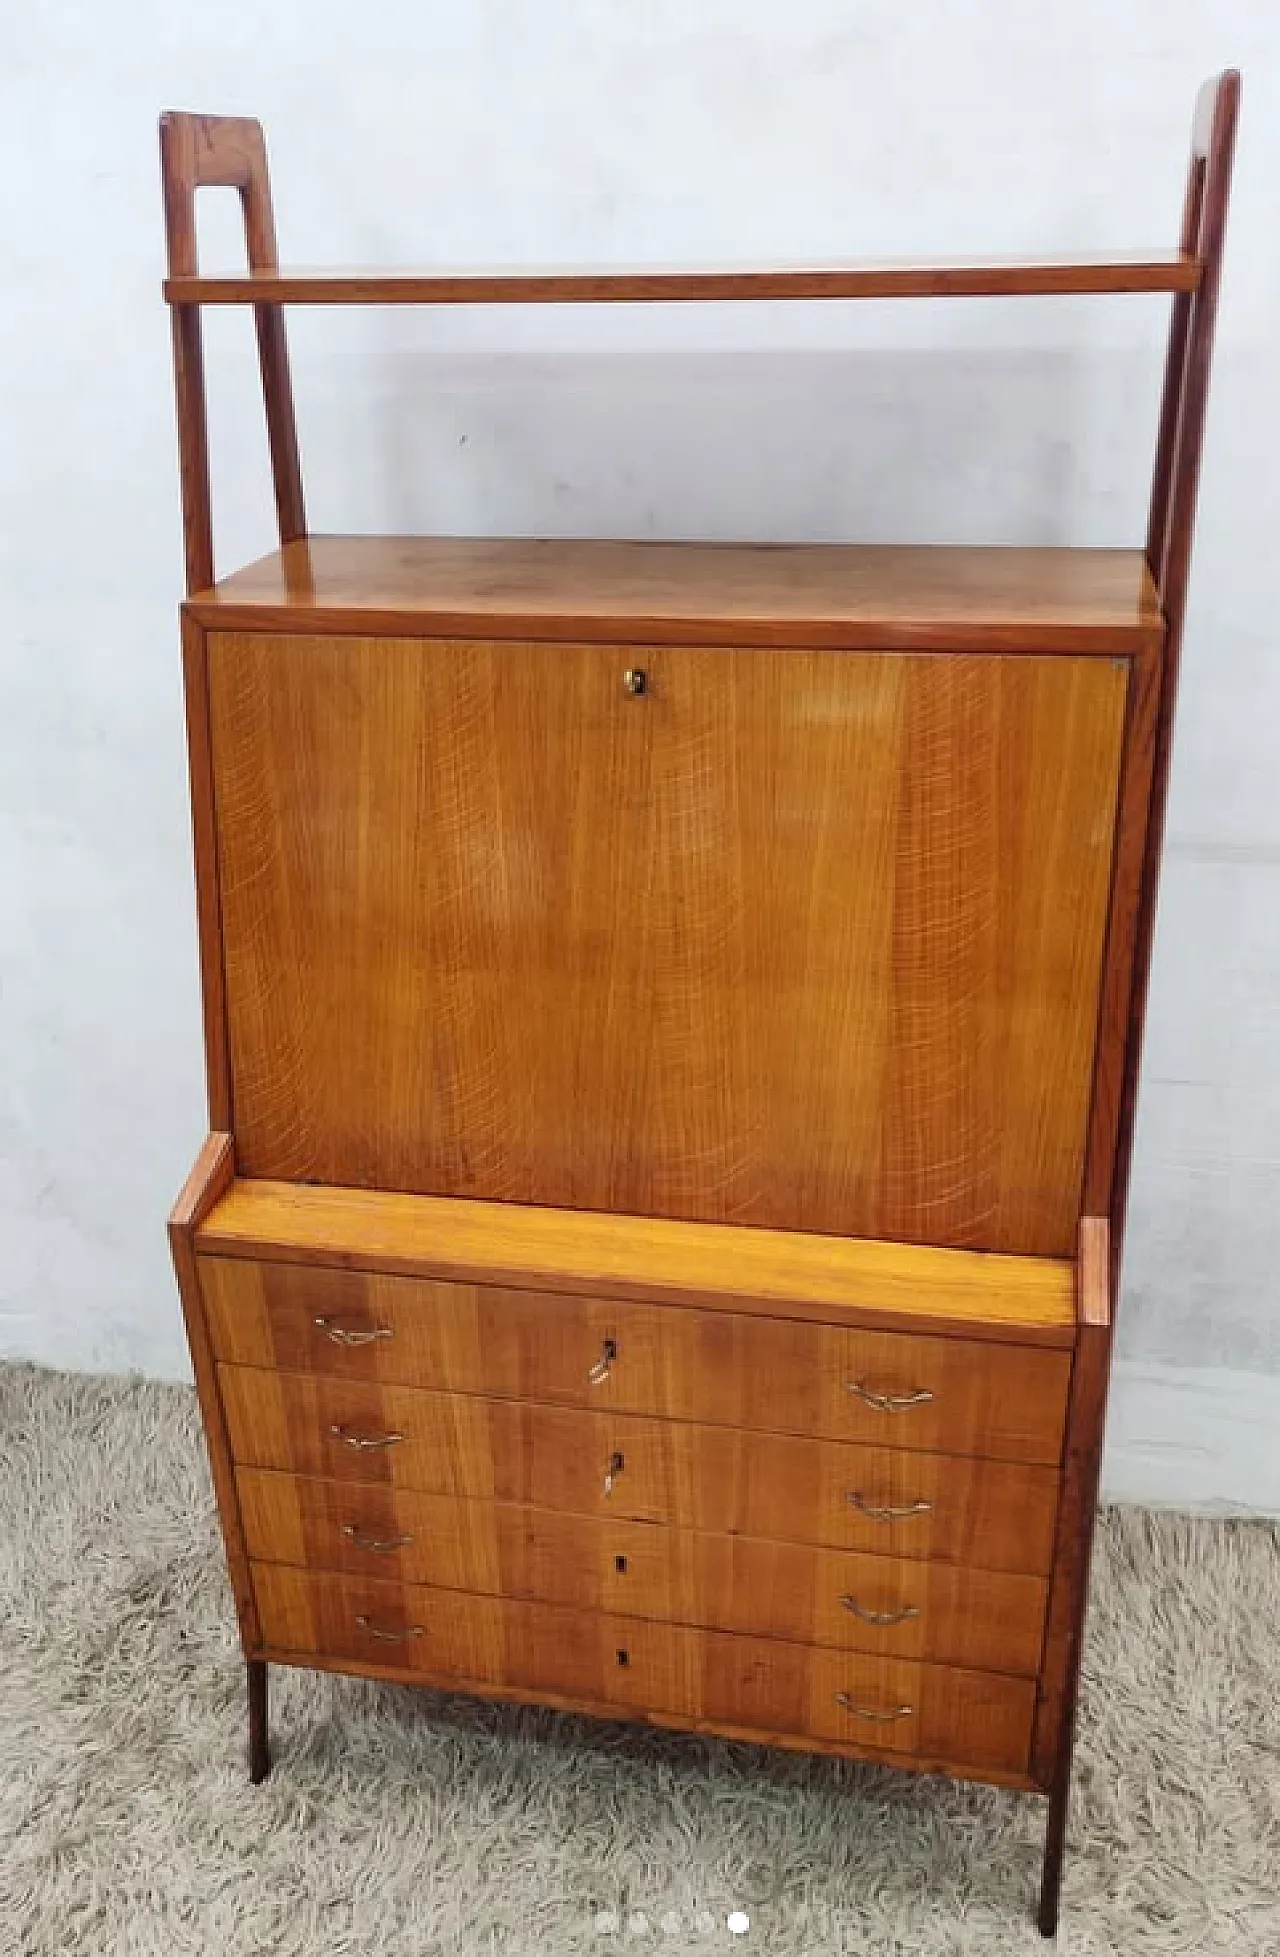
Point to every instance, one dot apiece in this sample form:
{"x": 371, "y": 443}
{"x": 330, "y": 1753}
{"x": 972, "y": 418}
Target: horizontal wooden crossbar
{"x": 1153, "y": 271}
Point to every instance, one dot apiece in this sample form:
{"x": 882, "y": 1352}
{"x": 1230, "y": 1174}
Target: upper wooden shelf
{"x": 722, "y": 1266}
{"x": 912, "y": 597}
{"x": 1150, "y": 271}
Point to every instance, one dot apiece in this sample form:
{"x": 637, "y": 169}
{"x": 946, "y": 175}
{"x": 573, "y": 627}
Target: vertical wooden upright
{"x": 1171, "y": 521}
{"x": 1171, "y": 524}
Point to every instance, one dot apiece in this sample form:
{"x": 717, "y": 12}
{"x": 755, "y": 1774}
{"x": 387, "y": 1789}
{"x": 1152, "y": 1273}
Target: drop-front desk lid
{"x": 676, "y": 881}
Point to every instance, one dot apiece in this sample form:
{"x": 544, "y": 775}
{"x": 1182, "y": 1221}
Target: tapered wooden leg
{"x": 1055, "y": 1844}
{"x": 259, "y": 1743}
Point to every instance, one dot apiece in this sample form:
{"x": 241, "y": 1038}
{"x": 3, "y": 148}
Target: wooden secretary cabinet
{"x": 672, "y": 1017}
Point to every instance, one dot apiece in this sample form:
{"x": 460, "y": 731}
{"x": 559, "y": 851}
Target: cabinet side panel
{"x": 195, "y": 681}
{"x": 208, "y": 1182}
{"x": 1073, "y": 1547}
{"x": 806, "y": 940}
{"x": 1116, "y": 1003}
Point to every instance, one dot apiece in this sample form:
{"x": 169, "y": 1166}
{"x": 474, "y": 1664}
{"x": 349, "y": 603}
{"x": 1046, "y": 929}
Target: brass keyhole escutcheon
{"x": 636, "y": 680}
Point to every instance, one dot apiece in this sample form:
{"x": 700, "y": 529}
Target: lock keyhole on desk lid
{"x": 636, "y": 681}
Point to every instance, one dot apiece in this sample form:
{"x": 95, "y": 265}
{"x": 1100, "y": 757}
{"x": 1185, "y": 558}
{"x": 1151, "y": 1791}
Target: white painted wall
{"x": 575, "y": 129}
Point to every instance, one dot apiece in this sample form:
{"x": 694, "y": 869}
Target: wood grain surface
{"x": 1160, "y": 270}
{"x": 802, "y": 940}
{"x": 210, "y": 1177}
{"x": 1077, "y": 1515}
{"x": 788, "y": 1274}
{"x": 652, "y": 1716}
{"x": 990, "y": 1514}
{"x": 204, "y": 842}
{"x": 990, "y": 1620}
{"x": 909, "y": 597}
{"x": 1115, "y": 1001}
{"x": 905, "y": 1706}
{"x": 1003, "y": 1401}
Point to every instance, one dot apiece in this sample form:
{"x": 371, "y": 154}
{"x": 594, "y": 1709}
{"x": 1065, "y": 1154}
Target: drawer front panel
{"x": 895, "y": 1706}
{"x": 986, "y": 1514}
{"x": 957, "y": 1396}
{"x": 984, "y": 1619}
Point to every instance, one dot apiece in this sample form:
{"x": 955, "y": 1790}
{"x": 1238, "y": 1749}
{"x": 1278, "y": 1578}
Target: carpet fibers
{"x": 407, "y": 1823}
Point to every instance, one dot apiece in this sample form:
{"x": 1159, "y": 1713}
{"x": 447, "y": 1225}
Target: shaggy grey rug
{"x": 404, "y": 1823}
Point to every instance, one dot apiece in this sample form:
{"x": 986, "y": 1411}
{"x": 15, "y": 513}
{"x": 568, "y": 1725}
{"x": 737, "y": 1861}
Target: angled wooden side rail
{"x": 198, "y": 152}
{"x": 1171, "y": 526}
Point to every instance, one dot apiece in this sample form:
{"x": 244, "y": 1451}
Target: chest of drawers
{"x": 787, "y": 1522}
{"x": 672, "y": 1018}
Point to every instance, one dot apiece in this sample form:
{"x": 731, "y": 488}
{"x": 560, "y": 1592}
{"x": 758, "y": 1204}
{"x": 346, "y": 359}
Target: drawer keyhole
{"x": 624, "y": 1656}
{"x": 604, "y": 1364}
{"x": 612, "y": 1472}
{"x": 620, "y": 1565}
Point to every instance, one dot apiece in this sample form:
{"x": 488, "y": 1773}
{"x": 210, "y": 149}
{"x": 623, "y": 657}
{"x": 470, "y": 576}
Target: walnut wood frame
{"x": 198, "y": 151}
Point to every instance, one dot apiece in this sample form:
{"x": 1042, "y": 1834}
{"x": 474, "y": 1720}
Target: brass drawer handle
{"x": 403, "y": 1636}
{"x": 872, "y": 1712}
{"x": 888, "y": 1402}
{"x": 878, "y": 1512}
{"x": 351, "y": 1335}
{"x": 376, "y": 1545}
{"x": 604, "y": 1364}
{"x": 879, "y": 1616}
{"x": 612, "y": 1472}
{"x": 364, "y": 1443}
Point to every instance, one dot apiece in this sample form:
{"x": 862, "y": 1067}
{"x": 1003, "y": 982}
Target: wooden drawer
{"x": 937, "y": 1714}
{"x": 959, "y": 1396}
{"x": 986, "y": 1514}
{"x": 985, "y": 1619}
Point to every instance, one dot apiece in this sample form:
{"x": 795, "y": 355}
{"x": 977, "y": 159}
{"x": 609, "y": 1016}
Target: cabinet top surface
{"x": 918, "y": 597}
